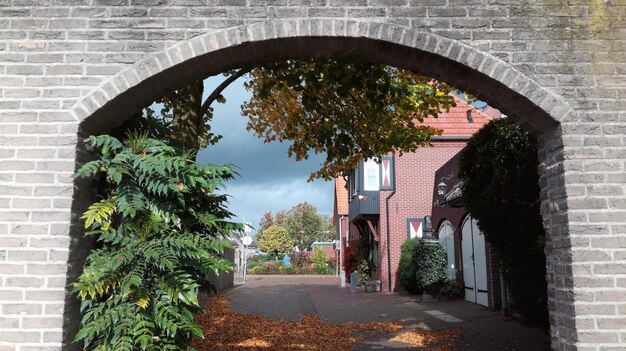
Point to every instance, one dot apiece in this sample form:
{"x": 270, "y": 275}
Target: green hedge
{"x": 430, "y": 262}
{"x": 422, "y": 267}
{"x": 407, "y": 269}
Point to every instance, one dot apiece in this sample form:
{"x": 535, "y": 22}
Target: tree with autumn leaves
{"x": 161, "y": 238}
{"x": 348, "y": 110}
{"x": 275, "y": 240}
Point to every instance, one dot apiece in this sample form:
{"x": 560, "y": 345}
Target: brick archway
{"x": 477, "y": 72}
{"x": 463, "y": 66}
{"x": 79, "y": 67}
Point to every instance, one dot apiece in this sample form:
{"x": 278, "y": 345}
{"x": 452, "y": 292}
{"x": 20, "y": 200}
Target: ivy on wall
{"x": 501, "y": 190}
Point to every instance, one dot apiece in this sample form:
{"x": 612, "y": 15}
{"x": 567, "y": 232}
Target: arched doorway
{"x": 446, "y": 240}
{"x": 474, "y": 262}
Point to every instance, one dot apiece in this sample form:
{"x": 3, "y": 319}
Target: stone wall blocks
{"x": 20, "y": 337}
{"x": 603, "y": 141}
{"x": 596, "y": 338}
{"x": 589, "y": 229}
{"x": 97, "y": 57}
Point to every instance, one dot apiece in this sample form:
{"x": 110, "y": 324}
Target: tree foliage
{"x": 276, "y": 240}
{"x": 179, "y": 118}
{"x": 158, "y": 226}
{"x": 305, "y": 225}
{"x": 350, "y": 110}
{"x": 269, "y": 219}
{"x": 430, "y": 264}
{"x": 501, "y": 190}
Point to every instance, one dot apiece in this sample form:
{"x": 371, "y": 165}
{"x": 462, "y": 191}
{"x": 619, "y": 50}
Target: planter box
{"x": 372, "y": 286}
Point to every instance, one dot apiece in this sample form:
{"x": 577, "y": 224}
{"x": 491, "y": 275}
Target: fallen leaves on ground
{"x": 422, "y": 338}
{"x": 228, "y": 330}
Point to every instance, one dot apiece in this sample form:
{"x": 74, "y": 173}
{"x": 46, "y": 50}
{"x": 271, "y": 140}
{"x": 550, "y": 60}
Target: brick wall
{"x": 73, "y": 67}
{"x": 415, "y": 174}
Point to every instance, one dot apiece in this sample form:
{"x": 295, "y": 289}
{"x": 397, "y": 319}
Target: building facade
{"x": 388, "y": 200}
{"x": 471, "y": 260}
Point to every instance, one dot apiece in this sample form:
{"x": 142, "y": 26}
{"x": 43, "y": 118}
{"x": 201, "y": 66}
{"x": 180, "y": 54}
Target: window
{"x": 371, "y": 176}
{"x": 352, "y": 191}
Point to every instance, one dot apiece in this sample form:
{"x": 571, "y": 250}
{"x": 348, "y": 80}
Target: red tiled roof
{"x": 341, "y": 196}
{"x": 455, "y": 122}
{"x": 492, "y": 112}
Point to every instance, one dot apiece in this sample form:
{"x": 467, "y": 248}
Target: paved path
{"x": 289, "y": 298}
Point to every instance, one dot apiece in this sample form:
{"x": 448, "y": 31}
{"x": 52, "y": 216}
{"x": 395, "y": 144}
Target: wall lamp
{"x": 441, "y": 188}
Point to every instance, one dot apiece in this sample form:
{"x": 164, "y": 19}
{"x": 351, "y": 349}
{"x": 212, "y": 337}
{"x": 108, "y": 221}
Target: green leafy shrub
{"x": 318, "y": 258}
{"x": 363, "y": 272}
{"x": 288, "y": 270}
{"x": 451, "y": 289}
{"x": 501, "y": 190}
{"x": 252, "y": 265}
{"x": 430, "y": 263}
{"x": 407, "y": 269}
{"x": 158, "y": 228}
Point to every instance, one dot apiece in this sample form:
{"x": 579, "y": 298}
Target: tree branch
{"x": 217, "y": 92}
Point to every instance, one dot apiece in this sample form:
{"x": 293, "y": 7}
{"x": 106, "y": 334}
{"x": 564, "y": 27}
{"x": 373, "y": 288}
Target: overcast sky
{"x": 269, "y": 180}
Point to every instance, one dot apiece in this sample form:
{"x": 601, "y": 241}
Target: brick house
{"x": 341, "y": 222}
{"x": 399, "y": 188}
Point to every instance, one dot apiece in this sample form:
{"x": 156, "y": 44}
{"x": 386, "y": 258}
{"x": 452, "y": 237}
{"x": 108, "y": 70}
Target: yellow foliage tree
{"x": 276, "y": 240}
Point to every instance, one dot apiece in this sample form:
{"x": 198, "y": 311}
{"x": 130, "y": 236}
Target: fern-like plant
{"x": 160, "y": 228}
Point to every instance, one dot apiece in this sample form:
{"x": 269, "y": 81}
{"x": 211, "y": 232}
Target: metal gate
{"x": 474, "y": 262}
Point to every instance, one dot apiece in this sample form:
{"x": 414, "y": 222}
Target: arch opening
{"x": 490, "y": 80}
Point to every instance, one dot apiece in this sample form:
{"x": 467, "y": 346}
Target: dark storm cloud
{"x": 270, "y": 180}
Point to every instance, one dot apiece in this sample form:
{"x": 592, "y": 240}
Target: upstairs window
{"x": 371, "y": 176}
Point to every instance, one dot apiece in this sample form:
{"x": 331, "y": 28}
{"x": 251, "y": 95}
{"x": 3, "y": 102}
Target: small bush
{"x": 319, "y": 256}
{"x": 349, "y": 259}
{"x": 451, "y": 289}
{"x": 430, "y": 262}
{"x": 363, "y": 272}
{"x": 407, "y": 269}
{"x": 300, "y": 259}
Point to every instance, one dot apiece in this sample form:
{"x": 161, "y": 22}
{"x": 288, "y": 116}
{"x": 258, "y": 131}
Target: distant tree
{"x": 329, "y": 229}
{"x": 279, "y": 218}
{"x": 269, "y": 219}
{"x": 305, "y": 225}
{"x": 275, "y": 240}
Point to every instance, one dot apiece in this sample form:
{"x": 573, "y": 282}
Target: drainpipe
{"x": 393, "y": 192}
{"x": 342, "y": 274}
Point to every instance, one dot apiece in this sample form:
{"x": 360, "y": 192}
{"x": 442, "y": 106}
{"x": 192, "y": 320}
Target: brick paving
{"x": 289, "y": 298}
